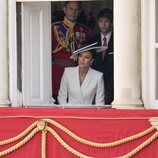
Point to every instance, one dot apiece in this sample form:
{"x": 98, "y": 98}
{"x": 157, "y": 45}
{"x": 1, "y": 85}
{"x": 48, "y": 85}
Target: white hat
{"x": 92, "y": 46}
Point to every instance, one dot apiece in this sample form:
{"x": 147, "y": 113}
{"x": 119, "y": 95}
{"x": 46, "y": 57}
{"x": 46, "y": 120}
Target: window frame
{"x": 148, "y": 54}
{"x": 16, "y": 96}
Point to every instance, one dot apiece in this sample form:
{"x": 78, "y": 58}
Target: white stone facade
{"x": 131, "y": 87}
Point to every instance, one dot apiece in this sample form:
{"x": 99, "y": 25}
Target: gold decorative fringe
{"x": 21, "y": 143}
{"x": 62, "y": 40}
{"x": 99, "y": 145}
{"x": 141, "y": 146}
{"x": 8, "y": 141}
{"x": 43, "y": 146}
{"x": 65, "y": 145}
{"x": 42, "y": 125}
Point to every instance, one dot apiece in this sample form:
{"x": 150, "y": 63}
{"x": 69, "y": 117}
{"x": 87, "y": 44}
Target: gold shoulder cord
{"x": 62, "y": 41}
{"x": 69, "y": 33}
{"x": 43, "y": 126}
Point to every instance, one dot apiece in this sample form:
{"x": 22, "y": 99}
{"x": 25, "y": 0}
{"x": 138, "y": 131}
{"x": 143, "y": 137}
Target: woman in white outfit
{"x": 82, "y": 85}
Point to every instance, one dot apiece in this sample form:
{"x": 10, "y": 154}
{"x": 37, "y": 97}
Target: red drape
{"x": 98, "y": 125}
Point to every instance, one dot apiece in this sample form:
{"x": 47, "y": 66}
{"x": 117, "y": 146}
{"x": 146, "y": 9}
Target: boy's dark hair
{"x": 79, "y": 3}
{"x": 106, "y": 13}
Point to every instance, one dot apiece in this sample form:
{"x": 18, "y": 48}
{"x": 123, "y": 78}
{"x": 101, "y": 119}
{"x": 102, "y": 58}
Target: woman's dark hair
{"x": 92, "y": 51}
{"x": 106, "y": 13}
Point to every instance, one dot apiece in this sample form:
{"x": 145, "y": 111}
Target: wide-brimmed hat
{"x": 91, "y": 47}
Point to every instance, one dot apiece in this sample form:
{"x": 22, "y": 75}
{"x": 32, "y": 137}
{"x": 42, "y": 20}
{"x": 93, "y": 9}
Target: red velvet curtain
{"x": 97, "y": 125}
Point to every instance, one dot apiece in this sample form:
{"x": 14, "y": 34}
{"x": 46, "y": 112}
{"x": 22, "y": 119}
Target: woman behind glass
{"x": 82, "y": 85}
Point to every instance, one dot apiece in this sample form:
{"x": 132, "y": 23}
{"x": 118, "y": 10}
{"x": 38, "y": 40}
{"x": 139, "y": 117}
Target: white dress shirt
{"x": 107, "y": 38}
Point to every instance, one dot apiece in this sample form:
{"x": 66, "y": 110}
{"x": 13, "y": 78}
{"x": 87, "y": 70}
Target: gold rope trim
{"x": 42, "y": 125}
{"x": 21, "y": 143}
{"x": 78, "y": 117}
{"x": 65, "y": 145}
{"x": 99, "y": 145}
{"x": 43, "y": 146}
{"x": 62, "y": 40}
{"x": 21, "y": 135}
{"x": 141, "y": 146}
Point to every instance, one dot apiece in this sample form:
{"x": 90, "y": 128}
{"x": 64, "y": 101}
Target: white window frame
{"x": 15, "y": 96}
{"x": 148, "y": 54}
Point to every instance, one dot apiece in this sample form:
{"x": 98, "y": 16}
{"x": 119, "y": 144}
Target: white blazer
{"x": 72, "y": 93}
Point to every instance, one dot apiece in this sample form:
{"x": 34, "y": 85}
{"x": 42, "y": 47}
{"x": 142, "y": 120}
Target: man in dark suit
{"x": 103, "y": 62}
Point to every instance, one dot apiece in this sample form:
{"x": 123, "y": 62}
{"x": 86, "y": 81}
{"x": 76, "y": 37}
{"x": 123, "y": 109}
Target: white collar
{"x": 107, "y": 37}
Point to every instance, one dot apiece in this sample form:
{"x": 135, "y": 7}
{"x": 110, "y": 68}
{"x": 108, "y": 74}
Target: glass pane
{"x": 156, "y": 19}
{"x": 156, "y": 74}
{"x": 19, "y": 46}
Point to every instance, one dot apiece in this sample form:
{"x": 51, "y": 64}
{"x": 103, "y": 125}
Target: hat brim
{"x": 97, "y": 49}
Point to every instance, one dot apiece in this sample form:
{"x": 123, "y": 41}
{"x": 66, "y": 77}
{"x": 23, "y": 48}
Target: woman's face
{"x": 85, "y": 59}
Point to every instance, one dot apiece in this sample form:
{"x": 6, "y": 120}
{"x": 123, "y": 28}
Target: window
{"x": 32, "y": 53}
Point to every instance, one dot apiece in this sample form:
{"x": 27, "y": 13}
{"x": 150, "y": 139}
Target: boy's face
{"x": 105, "y": 25}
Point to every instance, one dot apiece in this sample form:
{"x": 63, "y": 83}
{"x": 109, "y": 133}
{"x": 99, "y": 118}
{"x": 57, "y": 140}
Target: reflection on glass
{"x": 156, "y": 74}
{"x": 156, "y": 19}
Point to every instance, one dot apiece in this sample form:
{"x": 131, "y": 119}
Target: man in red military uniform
{"x": 67, "y": 36}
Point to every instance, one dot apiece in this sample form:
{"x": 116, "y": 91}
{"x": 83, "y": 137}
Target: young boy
{"x": 104, "y": 62}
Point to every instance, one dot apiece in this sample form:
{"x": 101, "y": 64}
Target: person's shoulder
{"x": 95, "y": 38}
{"x": 98, "y": 73}
{"x": 57, "y": 23}
{"x": 69, "y": 69}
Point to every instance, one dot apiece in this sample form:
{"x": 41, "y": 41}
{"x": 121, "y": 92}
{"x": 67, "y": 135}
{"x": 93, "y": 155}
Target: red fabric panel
{"x": 98, "y": 125}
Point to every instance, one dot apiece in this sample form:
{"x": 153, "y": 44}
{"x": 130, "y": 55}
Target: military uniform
{"x": 66, "y": 37}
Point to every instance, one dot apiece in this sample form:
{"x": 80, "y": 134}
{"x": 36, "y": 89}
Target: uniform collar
{"x": 68, "y": 22}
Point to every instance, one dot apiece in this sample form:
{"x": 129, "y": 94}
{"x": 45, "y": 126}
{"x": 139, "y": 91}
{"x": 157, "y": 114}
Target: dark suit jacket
{"x": 106, "y": 67}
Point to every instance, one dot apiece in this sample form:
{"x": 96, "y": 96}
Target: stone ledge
{"x": 5, "y": 103}
{"x": 127, "y": 104}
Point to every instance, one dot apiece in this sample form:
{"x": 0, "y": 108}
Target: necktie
{"x": 104, "y": 44}
{"x": 104, "y": 41}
